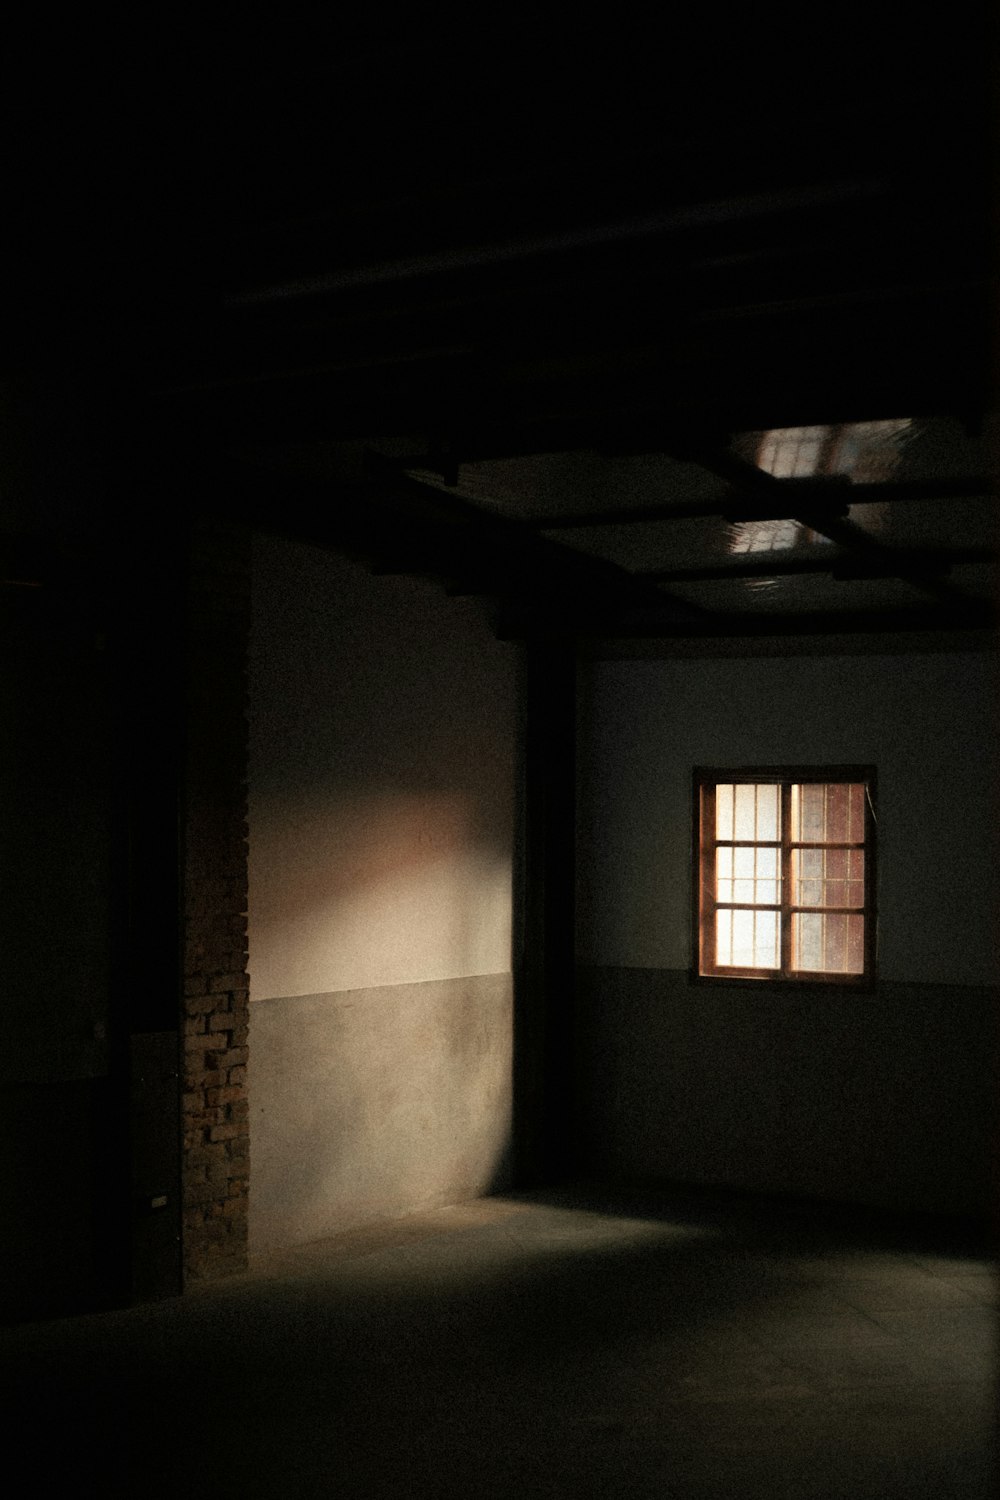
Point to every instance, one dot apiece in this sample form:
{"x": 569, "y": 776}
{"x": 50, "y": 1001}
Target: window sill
{"x": 766, "y": 982}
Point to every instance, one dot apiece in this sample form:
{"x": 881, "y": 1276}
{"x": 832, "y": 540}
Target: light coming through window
{"x": 785, "y": 876}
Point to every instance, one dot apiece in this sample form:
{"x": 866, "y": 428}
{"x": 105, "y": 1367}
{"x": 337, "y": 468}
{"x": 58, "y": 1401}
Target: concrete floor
{"x": 575, "y": 1344}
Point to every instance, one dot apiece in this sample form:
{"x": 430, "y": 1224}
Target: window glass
{"x": 828, "y": 813}
{"x": 828, "y": 877}
{"x": 828, "y": 943}
{"x": 747, "y": 939}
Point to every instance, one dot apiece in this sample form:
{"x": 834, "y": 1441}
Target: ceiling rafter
{"x": 741, "y": 503}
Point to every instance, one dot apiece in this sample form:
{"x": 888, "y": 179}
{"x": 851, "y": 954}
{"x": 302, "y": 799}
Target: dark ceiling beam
{"x": 478, "y": 552}
{"x": 882, "y": 561}
{"x": 490, "y": 405}
{"x": 398, "y": 525}
{"x": 517, "y": 622}
{"x": 447, "y": 260}
{"x": 738, "y": 504}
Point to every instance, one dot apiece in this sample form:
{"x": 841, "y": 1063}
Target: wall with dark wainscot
{"x": 881, "y": 1097}
{"x": 381, "y": 817}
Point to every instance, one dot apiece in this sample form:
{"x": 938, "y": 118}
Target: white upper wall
{"x": 381, "y": 780}
{"x": 928, "y": 725}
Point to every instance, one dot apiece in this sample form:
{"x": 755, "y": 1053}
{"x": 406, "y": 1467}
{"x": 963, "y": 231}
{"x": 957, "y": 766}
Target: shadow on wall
{"x": 387, "y": 888}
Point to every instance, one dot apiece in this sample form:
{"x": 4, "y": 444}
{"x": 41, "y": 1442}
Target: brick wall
{"x": 215, "y": 1109}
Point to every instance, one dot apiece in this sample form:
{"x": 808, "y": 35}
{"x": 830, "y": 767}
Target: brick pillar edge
{"x": 215, "y": 1108}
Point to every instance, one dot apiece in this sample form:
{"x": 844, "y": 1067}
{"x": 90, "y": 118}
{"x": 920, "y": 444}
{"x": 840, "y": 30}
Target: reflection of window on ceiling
{"x": 864, "y": 452}
{"x": 768, "y": 536}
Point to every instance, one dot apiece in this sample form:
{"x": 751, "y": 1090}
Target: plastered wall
{"x": 381, "y": 817}
{"x": 882, "y": 1098}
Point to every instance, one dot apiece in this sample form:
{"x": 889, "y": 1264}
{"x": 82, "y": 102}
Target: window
{"x": 785, "y": 877}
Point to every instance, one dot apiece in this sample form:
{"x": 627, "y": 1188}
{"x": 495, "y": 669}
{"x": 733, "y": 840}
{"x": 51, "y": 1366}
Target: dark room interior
{"x": 433, "y": 461}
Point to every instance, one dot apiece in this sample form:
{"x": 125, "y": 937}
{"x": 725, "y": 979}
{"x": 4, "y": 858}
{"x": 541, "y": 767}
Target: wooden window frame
{"x": 704, "y": 886}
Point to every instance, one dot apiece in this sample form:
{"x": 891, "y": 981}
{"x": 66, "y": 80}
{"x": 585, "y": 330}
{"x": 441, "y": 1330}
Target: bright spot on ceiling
{"x": 862, "y": 452}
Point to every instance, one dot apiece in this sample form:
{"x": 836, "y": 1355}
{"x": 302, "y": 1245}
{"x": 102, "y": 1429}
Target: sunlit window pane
{"x": 768, "y": 811}
{"x": 748, "y": 811}
{"x": 767, "y": 948}
{"x": 828, "y": 943}
{"x": 828, "y": 812}
{"x": 747, "y": 939}
{"x": 809, "y": 812}
{"x": 745, "y": 820}
{"x": 748, "y": 876}
{"x": 743, "y": 869}
{"x": 828, "y": 877}
{"x": 724, "y": 811}
{"x": 724, "y": 937}
{"x": 768, "y": 876}
{"x": 724, "y": 873}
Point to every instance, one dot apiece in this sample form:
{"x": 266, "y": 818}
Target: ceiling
{"x": 544, "y": 317}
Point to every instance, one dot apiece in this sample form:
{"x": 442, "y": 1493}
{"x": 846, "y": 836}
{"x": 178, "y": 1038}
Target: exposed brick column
{"x": 216, "y": 1144}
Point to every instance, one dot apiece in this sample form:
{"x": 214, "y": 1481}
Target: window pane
{"x": 748, "y": 811}
{"x": 767, "y": 886}
{"x": 768, "y": 811}
{"x": 828, "y": 812}
{"x": 748, "y": 875}
{"x": 747, "y": 939}
{"x": 828, "y": 877}
{"x": 766, "y": 948}
{"x": 745, "y": 821}
{"x": 724, "y": 938}
{"x": 724, "y": 811}
{"x": 743, "y": 864}
{"x": 845, "y": 821}
{"x": 724, "y": 873}
{"x": 831, "y": 943}
{"x": 809, "y": 812}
